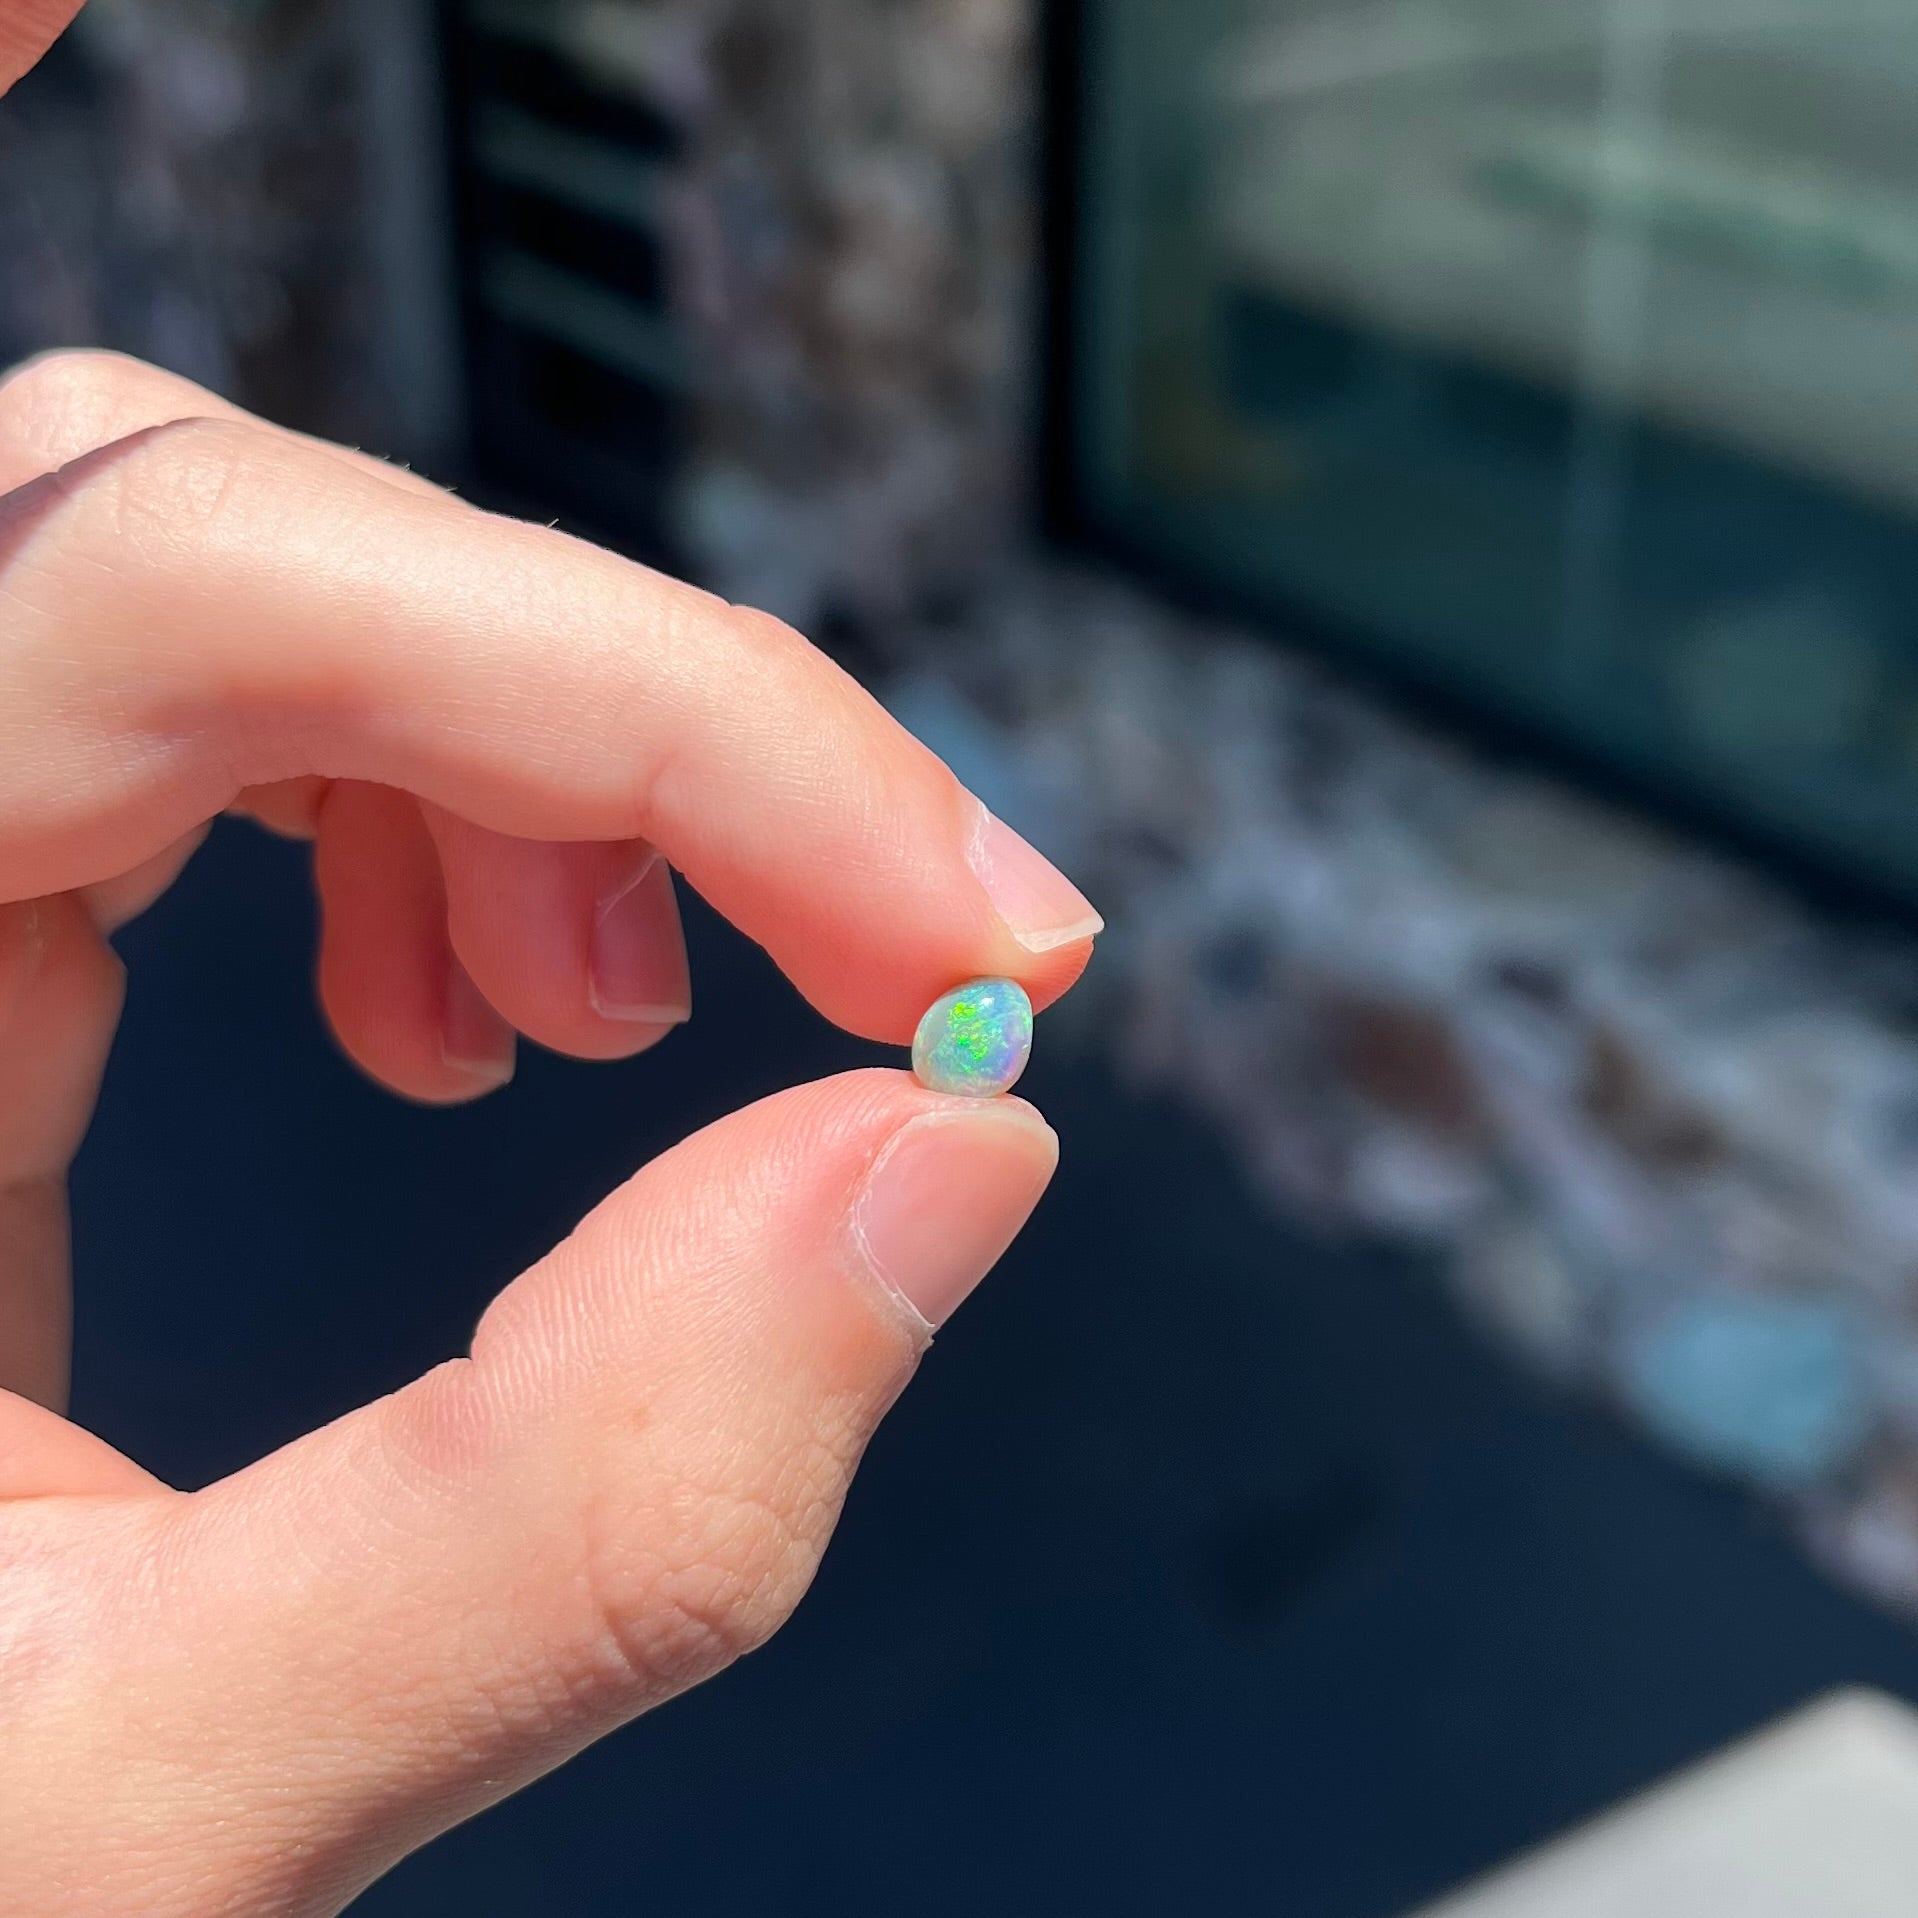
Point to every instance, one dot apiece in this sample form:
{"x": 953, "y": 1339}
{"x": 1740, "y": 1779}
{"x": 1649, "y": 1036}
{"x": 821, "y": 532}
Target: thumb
{"x": 371, "y": 1635}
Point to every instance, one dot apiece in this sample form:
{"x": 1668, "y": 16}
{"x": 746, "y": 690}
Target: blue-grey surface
{"x": 1204, "y": 1568}
{"x": 1775, "y": 1389}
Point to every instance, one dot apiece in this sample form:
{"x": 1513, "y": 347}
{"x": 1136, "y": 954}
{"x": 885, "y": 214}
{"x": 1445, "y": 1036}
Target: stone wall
{"x": 860, "y": 271}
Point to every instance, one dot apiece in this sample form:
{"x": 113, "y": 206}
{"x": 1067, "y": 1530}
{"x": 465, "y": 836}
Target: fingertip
{"x": 399, "y": 1001}
{"x": 1038, "y": 905}
{"x": 61, "y": 991}
{"x": 579, "y": 946}
{"x": 115, "y": 902}
{"x": 946, "y": 1197}
{"x": 476, "y": 1044}
{"x": 638, "y": 973}
{"x": 1049, "y": 982}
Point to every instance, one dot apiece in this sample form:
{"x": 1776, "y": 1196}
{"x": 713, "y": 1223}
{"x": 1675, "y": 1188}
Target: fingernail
{"x": 1041, "y": 907}
{"x": 946, "y": 1197}
{"x": 638, "y": 974}
{"x": 474, "y": 1039}
{"x": 23, "y": 943}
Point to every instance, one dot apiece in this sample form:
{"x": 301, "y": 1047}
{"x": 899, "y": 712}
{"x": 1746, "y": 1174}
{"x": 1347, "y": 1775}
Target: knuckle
{"x": 766, "y": 645}
{"x": 792, "y": 674}
{"x": 185, "y": 478}
{"x": 764, "y": 632}
{"x": 166, "y": 501}
{"x": 67, "y": 373}
{"x": 69, "y": 399}
{"x": 706, "y": 1576}
{"x": 50, "y": 1650}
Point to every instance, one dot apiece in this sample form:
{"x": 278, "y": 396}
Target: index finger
{"x": 210, "y": 606}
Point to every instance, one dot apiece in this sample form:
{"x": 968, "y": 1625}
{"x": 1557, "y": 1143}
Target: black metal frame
{"x": 514, "y": 463}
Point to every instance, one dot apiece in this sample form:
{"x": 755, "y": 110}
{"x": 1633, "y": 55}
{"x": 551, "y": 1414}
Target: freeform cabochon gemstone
{"x": 976, "y": 1039}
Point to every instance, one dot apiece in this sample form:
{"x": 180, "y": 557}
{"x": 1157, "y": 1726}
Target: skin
{"x": 254, "y": 1698}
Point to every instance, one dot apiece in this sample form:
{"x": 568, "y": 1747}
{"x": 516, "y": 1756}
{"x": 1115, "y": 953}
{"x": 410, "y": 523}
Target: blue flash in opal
{"x": 976, "y": 1040}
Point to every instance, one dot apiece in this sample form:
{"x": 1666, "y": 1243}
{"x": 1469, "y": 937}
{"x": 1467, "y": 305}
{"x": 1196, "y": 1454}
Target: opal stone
{"x": 976, "y": 1040}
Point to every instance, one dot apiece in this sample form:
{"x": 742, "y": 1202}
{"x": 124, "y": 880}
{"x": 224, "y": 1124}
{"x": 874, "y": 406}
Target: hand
{"x": 255, "y": 1698}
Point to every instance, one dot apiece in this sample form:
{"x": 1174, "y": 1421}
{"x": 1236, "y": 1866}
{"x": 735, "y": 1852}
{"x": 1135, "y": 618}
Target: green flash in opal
{"x": 976, "y": 1040}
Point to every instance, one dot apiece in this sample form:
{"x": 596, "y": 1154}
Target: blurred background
{"x": 1415, "y": 504}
